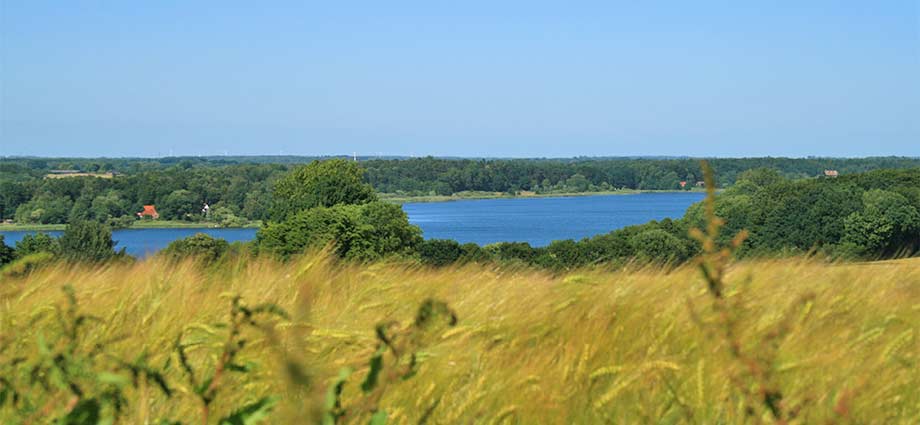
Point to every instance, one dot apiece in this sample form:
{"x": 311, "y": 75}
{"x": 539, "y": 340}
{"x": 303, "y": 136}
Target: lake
{"x": 538, "y": 221}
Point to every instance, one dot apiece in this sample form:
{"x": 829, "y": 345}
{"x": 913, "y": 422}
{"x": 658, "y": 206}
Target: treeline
{"x": 235, "y": 193}
{"x": 872, "y": 215}
{"x": 868, "y": 215}
{"x": 238, "y": 189}
{"x": 327, "y": 204}
{"x": 431, "y": 176}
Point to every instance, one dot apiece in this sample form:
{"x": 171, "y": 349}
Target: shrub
{"x": 512, "y": 251}
{"x": 659, "y": 246}
{"x": 363, "y": 232}
{"x": 201, "y": 246}
{"x": 35, "y": 243}
{"x": 439, "y": 252}
{"x": 471, "y": 252}
{"x": 6, "y": 253}
{"x": 87, "y": 241}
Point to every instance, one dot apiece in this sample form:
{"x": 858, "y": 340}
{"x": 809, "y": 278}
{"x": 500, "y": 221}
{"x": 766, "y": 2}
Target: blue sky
{"x": 466, "y": 78}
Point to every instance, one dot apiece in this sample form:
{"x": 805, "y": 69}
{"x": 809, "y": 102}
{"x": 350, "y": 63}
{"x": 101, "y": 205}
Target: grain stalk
{"x": 758, "y": 369}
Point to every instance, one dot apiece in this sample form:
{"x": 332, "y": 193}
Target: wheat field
{"x": 834, "y": 343}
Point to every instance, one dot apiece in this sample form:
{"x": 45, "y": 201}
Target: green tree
{"x": 44, "y": 209}
{"x": 887, "y": 225}
{"x": 471, "y": 252}
{"x": 320, "y": 184}
{"x": 108, "y": 206}
{"x": 180, "y": 205}
{"x": 577, "y": 183}
{"x": 199, "y": 246}
{"x": 87, "y": 241}
{"x": 512, "y": 251}
{"x": 761, "y": 176}
{"x": 362, "y": 232}
{"x": 439, "y": 252}
{"x": 659, "y": 246}
{"x": 6, "y": 253}
{"x": 34, "y": 243}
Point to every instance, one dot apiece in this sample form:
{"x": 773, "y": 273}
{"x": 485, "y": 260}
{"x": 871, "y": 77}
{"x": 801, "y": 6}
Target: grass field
{"x": 825, "y": 343}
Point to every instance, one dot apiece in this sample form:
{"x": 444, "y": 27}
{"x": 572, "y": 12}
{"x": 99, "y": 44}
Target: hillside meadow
{"x": 808, "y": 342}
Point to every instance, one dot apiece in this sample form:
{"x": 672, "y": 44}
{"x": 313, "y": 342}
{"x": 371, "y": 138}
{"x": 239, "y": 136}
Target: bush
{"x": 439, "y": 252}
{"x": 512, "y": 251}
{"x": 34, "y": 243}
{"x": 87, "y": 241}
{"x": 471, "y": 252}
{"x": 6, "y": 253}
{"x": 659, "y": 246}
{"x": 200, "y": 246}
{"x": 363, "y": 232}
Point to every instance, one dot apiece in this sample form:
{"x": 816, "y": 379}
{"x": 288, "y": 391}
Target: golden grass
{"x": 586, "y": 347}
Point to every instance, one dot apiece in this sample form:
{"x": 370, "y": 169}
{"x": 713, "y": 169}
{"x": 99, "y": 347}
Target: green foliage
{"x": 470, "y": 252}
{"x": 209, "y": 381}
{"x": 887, "y": 225}
{"x": 70, "y": 381}
{"x": 200, "y": 246}
{"x": 439, "y": 252}
{"x": 87, "y": 241}
{"x": 244, "y": 184}
{"x": 181, "y": 204}
{"x": 320, "y": 184}
{"x": 44, "y": 208}
{"x": 511, "y": 251}
{"x": 659, "y": 246}
{"x": 34, "y": 243}
{"x": 6, "y": 253}
{"x": 362, "y": 232}
{"x": 760, "y": 177}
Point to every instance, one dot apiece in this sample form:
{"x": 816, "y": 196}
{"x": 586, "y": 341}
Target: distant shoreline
{"x": 152, "y": 224}
{"x": 466, "y": 196}
{"x": 386, "y": 197}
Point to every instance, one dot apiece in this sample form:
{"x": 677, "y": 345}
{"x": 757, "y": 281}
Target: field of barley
{"x": 797, "y": 341}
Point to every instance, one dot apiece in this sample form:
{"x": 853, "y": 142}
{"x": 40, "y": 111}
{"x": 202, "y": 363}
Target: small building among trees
{"x": 149, "y": 211}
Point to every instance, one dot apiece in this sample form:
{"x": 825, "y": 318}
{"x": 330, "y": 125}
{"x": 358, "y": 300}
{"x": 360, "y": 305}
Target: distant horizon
{"x": 453, "y": 157}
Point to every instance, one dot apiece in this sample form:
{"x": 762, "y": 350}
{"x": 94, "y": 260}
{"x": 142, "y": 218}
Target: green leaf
{"x": 376, "y": 365}
{"x": 335, "y": 391}
{"x": 251, "y": 414}
{"x": 379, "y": 418}
{"x": 113, "y": 378}
{"x": 86, "y": 412}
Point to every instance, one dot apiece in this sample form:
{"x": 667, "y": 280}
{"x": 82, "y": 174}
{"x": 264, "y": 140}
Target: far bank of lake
{"x": 537, "y": 220}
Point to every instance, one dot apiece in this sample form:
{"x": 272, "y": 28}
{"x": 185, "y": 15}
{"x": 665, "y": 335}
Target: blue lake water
{"x": 538, "y": 221}
{"x": 143, "y": 242}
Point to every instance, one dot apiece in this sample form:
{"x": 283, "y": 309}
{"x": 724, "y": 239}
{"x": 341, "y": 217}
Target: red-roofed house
{"x": 830, "y": 173}
{"x": 149, "y": 211}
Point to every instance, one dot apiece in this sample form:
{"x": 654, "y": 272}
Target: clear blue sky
{"x": 464, "y": 78}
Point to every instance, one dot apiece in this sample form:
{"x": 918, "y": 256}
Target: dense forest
{"x": 238, "y": 189}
